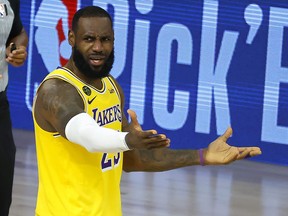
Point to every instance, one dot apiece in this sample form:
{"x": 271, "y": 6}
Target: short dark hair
{"x": 89, "y": 11}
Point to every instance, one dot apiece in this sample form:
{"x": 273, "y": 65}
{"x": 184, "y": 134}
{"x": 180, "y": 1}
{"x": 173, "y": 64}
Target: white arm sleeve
{"x": 82, "y": 129}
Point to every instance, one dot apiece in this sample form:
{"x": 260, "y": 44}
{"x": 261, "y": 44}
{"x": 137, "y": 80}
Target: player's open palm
{"x": 139, "y": 139}
{"x": 219, "y": 152}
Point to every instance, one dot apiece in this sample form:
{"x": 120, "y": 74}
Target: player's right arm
{"x": 55, "y": 104}
{"x": 59, "y": 108}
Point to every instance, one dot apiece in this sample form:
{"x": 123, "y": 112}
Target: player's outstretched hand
{"x": 219, "y": 152}
{"x": 139, "y": 139}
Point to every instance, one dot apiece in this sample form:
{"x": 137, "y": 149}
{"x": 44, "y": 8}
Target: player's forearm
{"x": 163, "y": 159}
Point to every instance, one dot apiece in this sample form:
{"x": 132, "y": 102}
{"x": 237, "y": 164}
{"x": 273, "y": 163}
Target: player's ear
{"x": 71, "y": 38}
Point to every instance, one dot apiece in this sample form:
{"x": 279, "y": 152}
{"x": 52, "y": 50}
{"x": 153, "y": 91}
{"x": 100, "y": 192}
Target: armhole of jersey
{"x": 116, "y": 89}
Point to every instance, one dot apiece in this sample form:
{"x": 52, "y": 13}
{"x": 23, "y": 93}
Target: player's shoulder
{"x": 57, "y": 78}
{"x": 56, "y": 86}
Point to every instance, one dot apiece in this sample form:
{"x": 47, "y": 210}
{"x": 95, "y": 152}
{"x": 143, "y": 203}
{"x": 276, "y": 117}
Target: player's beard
{"x": 87, "y": 70}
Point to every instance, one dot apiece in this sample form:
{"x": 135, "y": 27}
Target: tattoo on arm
{"x": 59, "y": 102}
{"x": 166, "y": 159}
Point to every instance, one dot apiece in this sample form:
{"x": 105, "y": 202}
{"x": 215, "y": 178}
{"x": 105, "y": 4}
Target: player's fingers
{"x": 227, "y": 134}
{"x": 156, "y": 137}
{"x": 149, "y": 134}
{"x": 241, "y": 149}
{"x": 159, "y": 144}
{"x": 244, "y": 154}
{"x": 155, "y": 140}
{"x": 231, "y": 155}
{"x": 255, "y": 150}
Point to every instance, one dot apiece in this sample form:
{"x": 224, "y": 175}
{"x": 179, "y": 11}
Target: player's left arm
{"x": 219, "y": 152}
{"x": 161, "y": 159}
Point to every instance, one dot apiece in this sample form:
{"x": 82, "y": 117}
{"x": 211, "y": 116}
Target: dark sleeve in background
{"x": 17, "y": 24}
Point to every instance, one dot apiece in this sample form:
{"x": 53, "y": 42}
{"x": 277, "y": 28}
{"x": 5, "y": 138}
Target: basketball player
{"x": 83, "y": 138}
{"x": 13, "y": 43}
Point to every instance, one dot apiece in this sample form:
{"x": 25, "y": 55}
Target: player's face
{"x": 93, "y": 51}
{"x": 92, "y": 72}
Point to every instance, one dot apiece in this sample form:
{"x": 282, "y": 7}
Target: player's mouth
{"x": 97, "y": 60}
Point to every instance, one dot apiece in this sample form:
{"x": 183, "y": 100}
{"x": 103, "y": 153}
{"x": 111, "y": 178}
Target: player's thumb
{"x": 133, "y": 117}
{"x": 227, "y": 134}
{"x": 134, "y": 122}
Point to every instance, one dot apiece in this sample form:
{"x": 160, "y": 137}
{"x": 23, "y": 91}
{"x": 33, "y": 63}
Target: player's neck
{"x": 97, "y": 82}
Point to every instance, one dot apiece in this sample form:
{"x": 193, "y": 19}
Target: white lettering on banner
{"x": 212, "y": 79}
{"x": 120, "y": 25}
{"x": 169, "y": 33}
{"x": 275, "y": 74}
{"x": 140, "y": 61}
{"x": 253, "y": 16}
{"x": 214, "y": 63}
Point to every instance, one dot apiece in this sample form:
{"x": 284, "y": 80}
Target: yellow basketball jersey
{"x": 73, "y": 181}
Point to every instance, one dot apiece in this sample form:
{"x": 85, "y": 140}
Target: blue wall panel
{"x": 188, "y": 68}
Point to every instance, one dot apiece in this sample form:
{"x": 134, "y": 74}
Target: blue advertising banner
{"x": 189, "y": 68}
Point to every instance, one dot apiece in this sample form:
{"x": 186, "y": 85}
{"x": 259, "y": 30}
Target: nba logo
{"x": 48, "y": 46}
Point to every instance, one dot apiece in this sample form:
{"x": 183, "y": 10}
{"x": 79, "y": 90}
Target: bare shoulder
{"x": 56, "y": 103}
{"x": 56, "y": 92}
